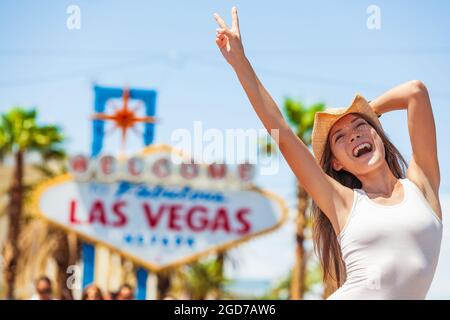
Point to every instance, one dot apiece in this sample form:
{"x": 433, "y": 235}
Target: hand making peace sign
{"x": 229, "y": 40}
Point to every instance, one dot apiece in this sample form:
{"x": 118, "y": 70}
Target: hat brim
{"x": 324, "y": 121}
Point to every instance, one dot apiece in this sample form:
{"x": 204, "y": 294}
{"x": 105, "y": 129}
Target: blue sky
{"x": 313, "y": 50}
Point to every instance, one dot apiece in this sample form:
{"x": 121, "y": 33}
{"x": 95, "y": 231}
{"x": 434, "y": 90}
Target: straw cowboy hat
{"x": 323, "y": 121}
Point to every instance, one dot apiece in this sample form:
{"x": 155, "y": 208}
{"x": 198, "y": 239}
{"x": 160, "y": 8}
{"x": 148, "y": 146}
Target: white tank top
{"x": 390, "y": 252}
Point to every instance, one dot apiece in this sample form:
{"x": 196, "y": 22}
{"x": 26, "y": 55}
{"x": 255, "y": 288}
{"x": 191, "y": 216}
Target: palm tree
{"x": 198, "y": 280}
{"x": 281, "y": 290}
{"x": 19, "y": 135}
{"x": 301, "y": 119}
{"x": 66, "y": 250}
{"x": 164, "y": 282}
{"x": 38, "y": 242}
{"x": 205, "y": 278}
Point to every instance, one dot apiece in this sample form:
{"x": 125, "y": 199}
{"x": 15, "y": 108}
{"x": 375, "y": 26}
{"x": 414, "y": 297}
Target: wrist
{"x": 240, "y": 63}
{"x": 375, "y": 109}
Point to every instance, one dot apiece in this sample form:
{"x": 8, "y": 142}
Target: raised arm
{"x": 329, "y": 195}
{"x": 413, "y": 96}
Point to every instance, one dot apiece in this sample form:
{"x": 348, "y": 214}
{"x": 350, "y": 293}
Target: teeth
{"x": 361, "y": 146}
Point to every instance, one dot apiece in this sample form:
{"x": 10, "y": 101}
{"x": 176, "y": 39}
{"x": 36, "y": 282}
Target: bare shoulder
{"x": 431, "y": 194}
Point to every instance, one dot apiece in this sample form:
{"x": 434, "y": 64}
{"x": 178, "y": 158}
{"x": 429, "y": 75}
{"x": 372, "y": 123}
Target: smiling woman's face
{"x": 355, "y": 145}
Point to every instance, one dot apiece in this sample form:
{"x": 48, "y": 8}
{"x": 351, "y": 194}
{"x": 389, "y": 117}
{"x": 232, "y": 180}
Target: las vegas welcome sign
{"x": 157, "y": 213}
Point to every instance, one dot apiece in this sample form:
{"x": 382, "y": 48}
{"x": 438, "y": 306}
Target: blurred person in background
{"x": 111, "y": 295}
{"x": 125, "y": 292}
{"x": 43, "y": 289}
{"x": 92, "y": 292}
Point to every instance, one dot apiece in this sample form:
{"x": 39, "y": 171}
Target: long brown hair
{"x": 326, "y": 244}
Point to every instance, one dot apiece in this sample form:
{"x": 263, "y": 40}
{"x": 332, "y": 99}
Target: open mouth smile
{"x": 362, "y": 149}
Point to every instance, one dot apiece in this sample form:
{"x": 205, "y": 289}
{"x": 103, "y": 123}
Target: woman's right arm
{"x": 330, "y": 195}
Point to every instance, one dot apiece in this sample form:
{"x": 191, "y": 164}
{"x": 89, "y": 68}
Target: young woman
{"x": 377, "y": 230}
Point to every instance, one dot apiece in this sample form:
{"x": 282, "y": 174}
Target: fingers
{"x": 235, "y": 20}
{"x": 221, "y": 42}
{"x": 220, "y": 21}
{"x": 225, "y": 31}
{"x": 234, "y": 32}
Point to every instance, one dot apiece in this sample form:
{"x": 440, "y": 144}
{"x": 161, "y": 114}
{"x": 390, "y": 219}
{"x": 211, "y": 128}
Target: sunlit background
{"x": 312, "y": 51}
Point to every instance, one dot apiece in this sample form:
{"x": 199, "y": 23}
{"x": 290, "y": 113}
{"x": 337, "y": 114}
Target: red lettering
{"x": 135, "y": 166}
{"x": 240, "y": 216}
{"x": 189, "y": 170}
{"x": 161, "y": 168}
{"x": 245, "y": 171}
{"x": 202, "y": 219}
{"x": 221, "y": 221}
{"x": 217, "y": 170}
{"x": 197, "y": 218}
{"x": 79, "y": 164}
{"x": 108, "y": 165}
{"x": 72, "y": 210}
{"x": 97, "y": 213}
{"x": 174, "y": 217}
{"x": 151, "y": 219}
{"x": 117, "y": 210}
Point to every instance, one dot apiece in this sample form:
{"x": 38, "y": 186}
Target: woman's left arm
{"x": 413, "y": 96}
